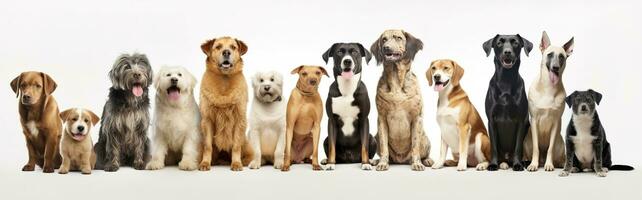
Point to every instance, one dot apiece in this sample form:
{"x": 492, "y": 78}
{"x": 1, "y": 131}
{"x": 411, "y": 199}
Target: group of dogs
{"x": 197, "y": 136}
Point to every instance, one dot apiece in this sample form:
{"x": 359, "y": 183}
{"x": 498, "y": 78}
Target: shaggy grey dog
{"x": 123, "y": 132}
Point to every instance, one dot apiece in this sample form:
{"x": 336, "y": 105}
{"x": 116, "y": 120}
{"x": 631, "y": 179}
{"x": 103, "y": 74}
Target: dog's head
{"x": 224, "y": 55}
{"x": 395, "y": 45}
{"x": 131, "y": 72}
{"x": 583, "y": 102}
{"x": 507, "y": 49}
{"x": 347, "y": 58}
{"x": 444, "y": 73}
{"x": 78, "y": 122}
{"x": 268, "y": 86}
{"x": 32, "y": 87}
{"x": 554, "y": 57}
{"x": 174, "y": 83}
{"x": 309, "y": 77}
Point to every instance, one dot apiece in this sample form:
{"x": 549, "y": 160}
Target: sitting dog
{"x": 462, "y": 129}
{"x": 267, "y": 120}
{"x": 546, "y": 105}
{"x": 76, "y": 146}
{"x": 348, "y": 106}
{"x": 223, "y": 105}
{"x": 303, "y": 118}
{"x": 401, "y": 136}
{"x": 506, "y": 103}
{"x": 176, "y": 120}
{"x": 122, "y": 139}
{"x": 586, "y": 145}
{"x": 39, "y": 118}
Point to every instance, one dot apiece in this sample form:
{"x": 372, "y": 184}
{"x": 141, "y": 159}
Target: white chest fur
{"x": 583, "y": 140}
{"x": 33, "y": 130}
{"x": 342, "y": 105}
{"x": 447, "y": 119}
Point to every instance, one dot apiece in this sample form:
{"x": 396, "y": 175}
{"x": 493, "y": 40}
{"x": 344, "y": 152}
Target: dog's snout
{"x": 584, "y": 108}
{"x": 507, "y": 52}
{"x": 26, "y": 98}
{"x": 266, "y": 88}
{"x": 174, "y": 80}
{"x": 137, "y": 75}
{"x": 312, "y": 82}
{"x": 347, "y": 62}
{"x": 556, "y": 68}
{"x": 387, "y": 48}
{"x": 226, "y": 53}
{"x": 80, "y": 128}
{"x": 437, "y": 77}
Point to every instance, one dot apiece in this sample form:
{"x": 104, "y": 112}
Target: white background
{"x": 77, "y": 41}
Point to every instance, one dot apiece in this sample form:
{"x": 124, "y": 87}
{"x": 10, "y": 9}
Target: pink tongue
{"x": 439, "y": 87}
{"x": 137, "y": 90}
{"x": 78, "y": 137}
{"x": 554, "y": 78}
{"x": 174, "y": 95}
{"x": 347, "y": 75}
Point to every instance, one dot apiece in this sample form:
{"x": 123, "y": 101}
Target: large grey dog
{"x": 123, "y": 132}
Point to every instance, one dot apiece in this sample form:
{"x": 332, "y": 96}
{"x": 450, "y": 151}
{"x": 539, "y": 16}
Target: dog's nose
{"x": 437, "y": 77}
{"x": 313, "y": 82}
{"x": 507, "y": 52}
{"x": 137, "y": 75}
{"x": 386, "y": 48}
{"x": 266, "y": 88}
{"x": 584, "y": 108}
{"x": 226, "y": 53}
{"x": 556, "y": 68}
{"x": 80, "y": 128}
{"x": 347, "y": 62}
{"x": 174, "y": 80}
{"x": 26, "y": 98}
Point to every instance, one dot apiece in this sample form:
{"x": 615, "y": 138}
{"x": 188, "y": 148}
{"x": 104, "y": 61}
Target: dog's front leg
{"x": 494, "y": 145}
{"x": 535, "y": 145}
{"x": 365, "y": 144}
{"x": 236, "y": 164}
{"x": 597, "y": 163}
{"x": 85, "y": 163}
{"x": 332, "y": 143}
{"x": 112, "y": 153}
{"x": 417, "y": 136}
{"x": 255, "y": 141}
{"x": 190, "y": 153}
{"x": 290, "y": 117}
{"x": 555, "y": 130}
{"x": 316, "y": 133}
{"x": 159, "y": 150}
{"x": 382, "y": 137}
{"x": 280, "y": 149}
{"x": 464, "y": 138}
{"x": 31, "y": 164}
{"x": 51, "y": 151}
{"x": 443, "y": 150}
{"x": 66, "y": 164}
{"x": 207, "y": 129}
{"x": 518, "y": 152}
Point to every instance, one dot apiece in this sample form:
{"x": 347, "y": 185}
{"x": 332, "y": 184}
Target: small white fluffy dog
{"x": 176, "y": 120}
{"x": 267, "y": 120}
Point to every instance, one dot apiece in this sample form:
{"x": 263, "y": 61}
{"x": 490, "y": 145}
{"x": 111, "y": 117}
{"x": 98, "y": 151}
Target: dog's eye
{"x": 304, "y": 73}
{"x": 446, "y": 68}
{"x": 179, "y": 74}
{"x": 233, "y": 47}
{"x": 550, "y": 55}
{"x": 38, "y": 86}
{"x": 168, "y": 75}
{"x": 271, "y": 79}
{"x": 434, "y": 68}
{"x": 86, "y": 121}
{"x": 127, "y": 67}
{"x": 318, "y": 73}
{"x": 218, "y": 47}
{"x": 384, "y": 39}
{"x": 74, "y": 119}
{"x": 261, "y": 80}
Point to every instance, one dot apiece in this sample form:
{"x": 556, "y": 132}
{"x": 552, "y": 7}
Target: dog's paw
{"x": 187, "y": 165}
{"x": 285, "y": 168}
{"x": 204, "y": 166}
{"x": 492, "y": 167}
{"x": 139, "y": 165}
{"x": 605, "y": 169}
{"x": 155, "y": 165}
{"x": 255, "y": 164}
{"x": 278, "y": 164}
{"x": 482, "y": 166}
{"x": 236, "y": 166}
{"x": 324, "y": 161}
{"x": 330, "y": 167}
{"x": 518, "y": 167}
{"x": 461, "y": 166}
{"x": 28, "y": 168}
{"x": 63, "y": 171}
{"x": 504, "y": 166}
{"x": 549, "y": 167}
{"x": 366, "y": 166}
{"x": 532, "y": 167}
{"x": 48, "y": 170}
{"x": 382, "y": 166}
{"x": 575, "y": 170}
{"x": 111, "y": 168}
{"x": 438, "y": 165}
{"x": 428, "y": 162}
{"x": 86, "y": 171}
{"x": 601, "y": 174}
{"x": 564, "y": 174}
{"x": 417, "y": 166}
{"x": 316, "y": 167}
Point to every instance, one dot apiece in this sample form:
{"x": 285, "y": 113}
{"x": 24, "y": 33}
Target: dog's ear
{"x": 15, "y": 84}
{"x": 323, "y": 71}
{"x": 545, "y": 42}
{"x": 156, "y": 78}
{"x": 242, "y": 46}
{"x": 458, "y": 72}
{"x": 93, "y": 117}
{"x": 413, "y": 45}
{"x": 376, "y": 50}
{"x": 429, "y": 73}
{"x": 596, "y": 96}
{"x": 192, "y": 81}
{"x": 296, "y": 70}
{"x": 329, "y": 53}
{"x": 528, "y": 46}
{"x": 255, "y": 80}
{"x": 488, "y": 45}
{"x": 207, "y": 46}
{"x": 568, "y": 47}
{"x": 569, "y": 99}
{"x": 48, "y": 83}
{"x": 64, "y": 115}
{"x": 365, "y": 53}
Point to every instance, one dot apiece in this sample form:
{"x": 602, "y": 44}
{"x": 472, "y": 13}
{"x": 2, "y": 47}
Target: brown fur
{"x": 43, "y": 114}
{"x": 223, "y": 106}
{"x": 77, "y": 155}
{"x": 303, "y": 118}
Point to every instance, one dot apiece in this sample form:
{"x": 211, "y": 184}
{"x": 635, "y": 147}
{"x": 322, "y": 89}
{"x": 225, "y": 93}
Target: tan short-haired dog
{"x": 223, "y": 105}
{"x": 461, "y": 126}
{"x": 77, "y": 147}
{"x": 303, "y": 118}
{"x": 41, "y": 124}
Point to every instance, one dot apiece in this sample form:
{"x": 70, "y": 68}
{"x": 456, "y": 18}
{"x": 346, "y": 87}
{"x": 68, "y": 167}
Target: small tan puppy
{"x": 303, "y": 118}
{"x": 76, "y": 146}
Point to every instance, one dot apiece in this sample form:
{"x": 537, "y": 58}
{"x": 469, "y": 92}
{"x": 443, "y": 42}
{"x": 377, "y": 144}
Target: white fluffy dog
{"x": 176, "y": 120}
{"x": 267, "y": 120}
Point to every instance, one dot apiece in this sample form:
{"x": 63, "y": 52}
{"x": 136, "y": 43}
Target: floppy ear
{"x": 488, "y": 45}
{"x": 569, "y": 99}
{"x": 93, "y": 117}
{"x": 365, "y": 53}
{"x": 545, "y": 42}
{"x": 15, "y": 84}
{"x": 48, "y": 83}
{"x": 596, "y": 96}
{"x": 156, "y": 78}
{"x": 413, "y": 45}
{"x": 64, "y": 115}
{"x": 376, "y": 50}
{"x": 193, "y": 80}
{"x": 296, "y": 70}
{"x": 207, "y": 46}
{"x": 528, "y": 46}
{"x": 568, "y": 47}
{"x": 242, "y": 47}
{"x": 323, "y": 71}
{"x": 458, "y": 72}
{"x": 328, "y": 53}
{"x": 255, "y": 82}
{"x": 430, "y": 72}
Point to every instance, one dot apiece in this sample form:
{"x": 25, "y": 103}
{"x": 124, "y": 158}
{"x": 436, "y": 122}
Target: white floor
{"x": 346, "y": 182}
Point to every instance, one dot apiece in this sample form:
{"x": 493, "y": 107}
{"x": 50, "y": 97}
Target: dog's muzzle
{"x": 390, "y": 55}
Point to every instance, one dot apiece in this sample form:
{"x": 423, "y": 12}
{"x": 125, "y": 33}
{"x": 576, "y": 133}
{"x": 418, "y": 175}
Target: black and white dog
{"x": 348, "y": 106}
{"x": 125, "y": 119}
{"x": 586, "y": 145}
{"x": 506, "y": 103}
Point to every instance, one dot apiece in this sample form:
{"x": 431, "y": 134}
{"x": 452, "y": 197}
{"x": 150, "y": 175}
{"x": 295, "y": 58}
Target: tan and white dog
{"x": 176, "y": 120}
{"x": 546, "y": 105}
{"x": 462, "y": 129}
{"x": 76, "y": 146}
{"x": 267, "y": 120}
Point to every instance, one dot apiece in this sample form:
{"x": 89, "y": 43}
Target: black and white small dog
{"x": 125, "y": 119}
{"x": 348, "y": 106}
{"x": 586, "y": 145}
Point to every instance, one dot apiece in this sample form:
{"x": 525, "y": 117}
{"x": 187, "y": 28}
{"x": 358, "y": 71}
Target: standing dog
{"x": 546, "y": 105}
{"x": 462, "y": 129}
{"x": 176, "y": 120}
{"x": 76, "y": 146}
{"x": 348, "y": 106}
{"x": 303, "y": 118}
{"x": 223, "y": 105}
{"x": 123, "y": 133}
{"x": 267, "y": 120}
{"x": 586, "y": 144}
{"x": 39, "y": 118}
{"x": 506, "y": 103}
{"x": 401, "y": 136}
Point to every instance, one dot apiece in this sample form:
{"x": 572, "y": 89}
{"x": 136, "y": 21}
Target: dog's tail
{"x": 621, "y": 167}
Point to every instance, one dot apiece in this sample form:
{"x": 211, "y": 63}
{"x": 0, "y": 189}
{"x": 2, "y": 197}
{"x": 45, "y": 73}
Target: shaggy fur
{"x": 125, "y": 119}
{"x": 176, "y": 119}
